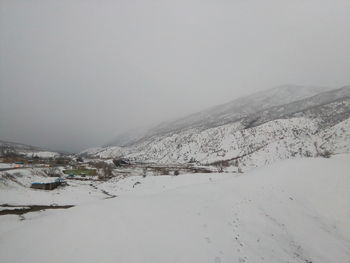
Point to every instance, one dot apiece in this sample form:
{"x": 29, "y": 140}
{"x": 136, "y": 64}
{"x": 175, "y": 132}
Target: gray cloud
{"x": 73, "y": 74}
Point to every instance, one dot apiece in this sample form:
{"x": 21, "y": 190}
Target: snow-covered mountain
{"x": 280, "y": 123}
{"x": 26, "y": 150}
{"x": 223, "y": 114}
{"x": 18, "y": 146}
{"x": 128, "y": 137}
{"x": 239, "y": 108}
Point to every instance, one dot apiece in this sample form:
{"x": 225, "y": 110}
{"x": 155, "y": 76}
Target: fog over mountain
{"x": 75, "y": 74}
{"x": 223, "y": 114}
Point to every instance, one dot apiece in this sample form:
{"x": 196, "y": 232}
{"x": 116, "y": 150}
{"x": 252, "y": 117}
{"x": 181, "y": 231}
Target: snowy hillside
{"x": 26, "y": 150}
{"x": 223, "y": 143}
{"x": 18, "y": 146}
{"x": 308, "y": 127}
{"x": 239, "y": 108}
{"x": 226, "y": 113}
{"x": 337, "y": 138}
{"x": 295, "y": 211}
{"x": 330, "y": 107}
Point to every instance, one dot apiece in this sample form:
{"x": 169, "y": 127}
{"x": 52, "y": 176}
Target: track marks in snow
{"x": 217, "y": 260}
{"x": 208, "y": 240}
{"x": 109, "y": 196}
{"x": 236, "y": 228}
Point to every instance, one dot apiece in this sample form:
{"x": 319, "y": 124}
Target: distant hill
{"x": 25, "y": 149}
{"x": 19, "y": 146}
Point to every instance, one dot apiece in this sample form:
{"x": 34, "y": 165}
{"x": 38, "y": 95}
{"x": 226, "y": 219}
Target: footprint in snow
{"x": 217, "y": 260}
{"x": 241, "y": 260}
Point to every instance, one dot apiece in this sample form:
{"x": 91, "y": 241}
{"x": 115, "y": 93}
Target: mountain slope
{"x": 223, "y": 114}
{"x": 331, "y": 107}
{"x": 24, "y": 149}
{"x": 298, "y": 128}
{"x": 18, "y": 146}
{"x": 233, "y": 111}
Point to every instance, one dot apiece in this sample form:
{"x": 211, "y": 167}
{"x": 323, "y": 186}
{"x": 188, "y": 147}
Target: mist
{"x": 74, "y": 74}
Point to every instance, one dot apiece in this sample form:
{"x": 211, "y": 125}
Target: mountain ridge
{"x": 233, "y": 110}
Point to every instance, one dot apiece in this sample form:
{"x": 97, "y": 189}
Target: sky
{"x": 75, "y": 74}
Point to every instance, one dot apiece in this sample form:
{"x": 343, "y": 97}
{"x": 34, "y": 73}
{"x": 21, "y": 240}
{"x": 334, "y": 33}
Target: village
{"x": 62, "y": 181}
{"x": 77, "y": 168}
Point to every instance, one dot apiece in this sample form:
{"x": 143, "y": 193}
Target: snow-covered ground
{"x": 15, "y": 189}
{"x": 6, "y": 165}
{"x": 292, "y": 211}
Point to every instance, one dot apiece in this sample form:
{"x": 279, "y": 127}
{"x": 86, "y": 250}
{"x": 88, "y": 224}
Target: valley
{"x": 267, "y": 183}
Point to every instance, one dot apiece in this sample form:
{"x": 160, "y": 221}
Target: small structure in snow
{"x": 135, "y": 184}
{"x": 47, "y": 186}
{"x": 121, "y": 162}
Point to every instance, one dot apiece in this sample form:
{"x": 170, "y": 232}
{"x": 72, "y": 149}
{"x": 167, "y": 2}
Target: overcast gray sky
{"x": 74, "y": 74}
